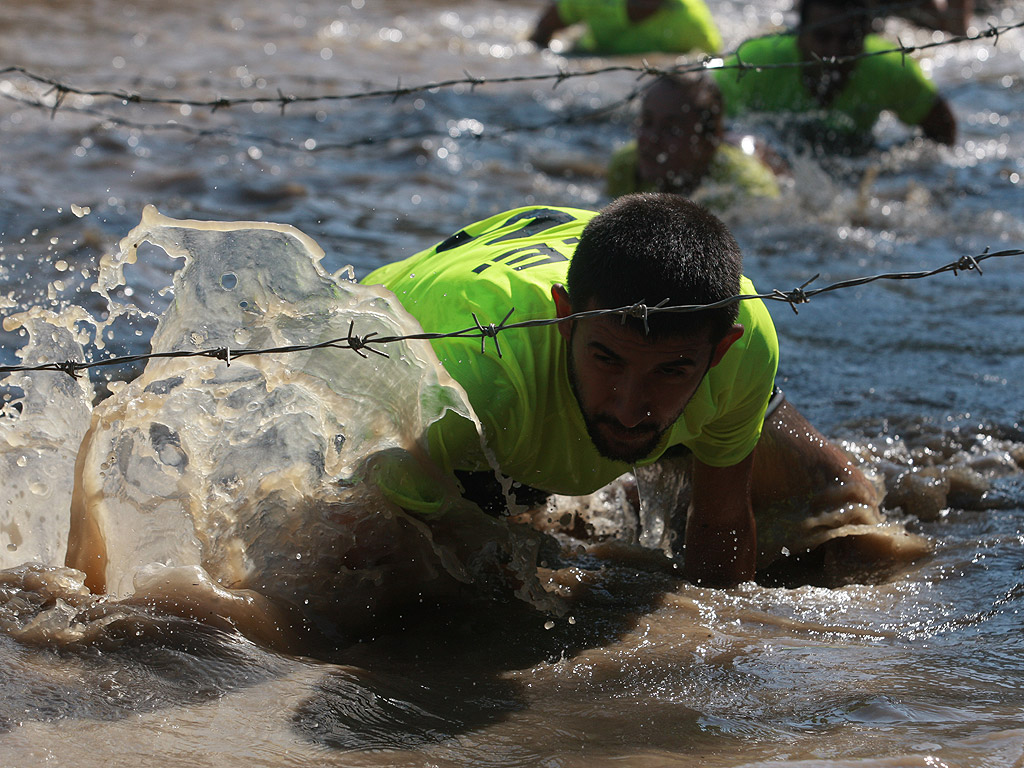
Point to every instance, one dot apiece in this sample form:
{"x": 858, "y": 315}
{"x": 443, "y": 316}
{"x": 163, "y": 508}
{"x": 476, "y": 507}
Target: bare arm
{"x": 638, "y": 10}
{"x": 762, "y": 151}
{"x": 953, "y": 16}
{"x": 549, "y": 23}
{"x": 940, "y": 124}
{"x": 721, "y": 537}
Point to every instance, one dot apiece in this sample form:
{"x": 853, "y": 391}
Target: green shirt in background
{"x": 884, "y": 82}
{"x": 679, "y": 26}
{"x": 532, "y": 421}
{"x": 733, "y": 175}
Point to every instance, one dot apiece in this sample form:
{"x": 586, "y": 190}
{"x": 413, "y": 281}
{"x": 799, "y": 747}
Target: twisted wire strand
{"x": 60, "y": 90}
{"x": 484, "y": 331}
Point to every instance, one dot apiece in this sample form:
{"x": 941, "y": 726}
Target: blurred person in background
{"x": 833, "y": 99}
{"x": 631, "y": 26}
{"x": 681, "y": 146}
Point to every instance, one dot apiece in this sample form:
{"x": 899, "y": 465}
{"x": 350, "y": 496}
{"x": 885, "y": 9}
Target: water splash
{"x": 272, "y": 491}
{"x": 41, "y": 426}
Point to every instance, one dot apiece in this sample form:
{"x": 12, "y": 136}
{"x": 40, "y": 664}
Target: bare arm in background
{"x": 762, "y": 151}
{"x": 940, "y": 124}
{"x": 953, "y": 16}
{"x": 550, "y": 22}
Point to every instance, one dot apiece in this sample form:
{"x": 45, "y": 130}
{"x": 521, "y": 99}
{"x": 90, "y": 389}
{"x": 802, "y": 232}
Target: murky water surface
{"x": 920, "y": 379}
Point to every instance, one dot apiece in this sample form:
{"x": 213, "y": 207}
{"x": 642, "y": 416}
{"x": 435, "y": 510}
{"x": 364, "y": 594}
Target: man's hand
{"x": 721, "y": 537}
{"x": 940, "y": 124}
{"x": 547, "y": 25}
{"x": 638, "y": 10}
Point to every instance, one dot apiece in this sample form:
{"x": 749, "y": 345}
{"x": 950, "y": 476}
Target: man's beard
{"x": 607, "y": 448}
{"x": 825, "y": 81}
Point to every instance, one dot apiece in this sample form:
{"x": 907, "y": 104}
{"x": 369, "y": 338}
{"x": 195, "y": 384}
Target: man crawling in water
{"x": 568, "y": 408}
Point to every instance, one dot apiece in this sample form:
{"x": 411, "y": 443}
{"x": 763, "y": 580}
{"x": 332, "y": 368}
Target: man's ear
{"x": 562, "y": 308}
{"x": 730, "y": 338}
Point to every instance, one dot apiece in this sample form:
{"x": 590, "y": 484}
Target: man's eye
{"x": 675, "y": 371}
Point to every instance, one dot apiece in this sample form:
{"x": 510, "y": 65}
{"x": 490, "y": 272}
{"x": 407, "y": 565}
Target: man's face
{"x": 676, "y": 139}
{"x": 631, "y": 389}
{"x": 826, "y": 33}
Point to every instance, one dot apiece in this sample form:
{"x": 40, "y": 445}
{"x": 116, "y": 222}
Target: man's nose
{"x": 630, "y": 401}
{"x": 832, "y": 46}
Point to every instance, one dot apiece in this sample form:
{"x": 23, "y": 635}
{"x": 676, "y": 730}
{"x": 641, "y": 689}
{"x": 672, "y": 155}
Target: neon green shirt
{"x": 678, "y": 27}
{"x": 732, "y": 175}
{"x": 532, "y": 421}
{"x": 877, "y": 83}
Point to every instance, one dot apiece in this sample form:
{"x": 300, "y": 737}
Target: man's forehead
{"x": 679, "y": 103}
{"x": 823, "y": 20}
{"x": 610, "y": 331}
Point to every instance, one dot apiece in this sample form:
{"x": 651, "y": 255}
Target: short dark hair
{"x": 856, "y": 11}
{"x": 697, "y": 88}
{"x": 654, "y": 246}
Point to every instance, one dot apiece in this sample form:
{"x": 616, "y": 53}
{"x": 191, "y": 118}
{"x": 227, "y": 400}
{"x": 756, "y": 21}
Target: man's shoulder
{"x": 528, "y": 223}
{"x": 885, "y": 58}
{"x": 754, "y": 310}
{"x": 767, "y": 49}
{"x": 510, "y": 259}
{"x": 891, "y": 81}
{"x": 572, "y": 11}
{"x": 529, "y": 245}
{"x": 876, "y": 44}
{"x": 739, "y": 85}
{"x": 743, "y": 173}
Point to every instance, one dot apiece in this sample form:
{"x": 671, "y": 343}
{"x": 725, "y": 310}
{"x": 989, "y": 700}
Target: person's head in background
{"x": 679, "y": 131}
{"x": 831, "y": 29}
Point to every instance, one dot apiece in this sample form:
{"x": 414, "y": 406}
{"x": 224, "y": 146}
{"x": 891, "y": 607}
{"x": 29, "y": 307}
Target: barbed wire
{"x": 477, "y": 131}
{"x": 369, "y": 342}
{"x": 60, "y": 90}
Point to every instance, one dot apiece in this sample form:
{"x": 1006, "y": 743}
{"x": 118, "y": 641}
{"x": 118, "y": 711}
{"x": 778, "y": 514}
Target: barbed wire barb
{"x": 473, "y": 81}
{"x": 903, "y": 51}
{"x": 61, "y": 94}
{"x": 491, "y": 331}
{"x": 968, "y": 262}
{"x": 741, "y": 67}
{"x": 796, "y": 295}
{"x": 637, "y": 310}
{"x": 563, "y": 75}
{"x": 358, "y": 343}
{"x": 70, "y": 367}
{"x": 994, "y": 32}
{"x": 285, "y": 100}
